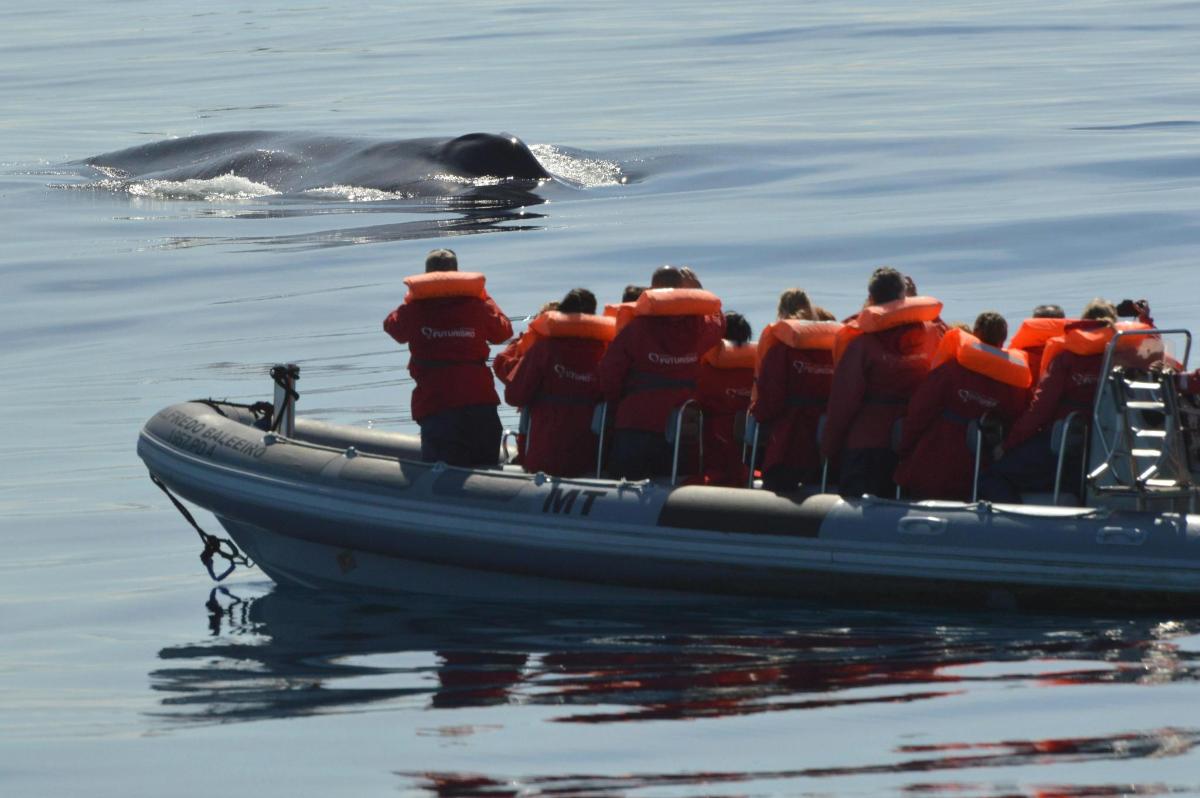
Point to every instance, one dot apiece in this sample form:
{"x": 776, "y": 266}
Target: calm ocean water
{"x": 1004, "y": 154}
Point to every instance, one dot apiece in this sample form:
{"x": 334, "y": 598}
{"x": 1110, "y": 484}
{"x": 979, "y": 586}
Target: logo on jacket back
{"x": 455, "y": 332}
{"x": 812, "y": 368}
{"x": 1085, "y": 379}
{"x": 672, "y": 360}
{"x": 978, "y": 398}
{"x": 737, "y": 393}
{"x": 566, "y": 374}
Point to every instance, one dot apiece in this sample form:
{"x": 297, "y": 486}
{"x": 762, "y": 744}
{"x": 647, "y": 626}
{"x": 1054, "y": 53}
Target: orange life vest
{"x": 1093, "y": 341}
{"x": 877, "y": 318}
{"x": 553, "y": 324}
{"x": 622, "y": 312}
{"x": 727, "y": 355}
{"x": 677, "y": 302}
{"x": 1009, "y": 366}
{"x": 1036, "y": 332}
{"x": 434, "y": 285}
{"x": 798, "y": 334}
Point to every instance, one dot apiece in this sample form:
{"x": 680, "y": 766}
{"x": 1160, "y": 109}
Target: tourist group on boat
{"x": 879, "y": 403}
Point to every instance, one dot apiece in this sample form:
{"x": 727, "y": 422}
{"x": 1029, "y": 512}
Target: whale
{"x": 298, "y": 162}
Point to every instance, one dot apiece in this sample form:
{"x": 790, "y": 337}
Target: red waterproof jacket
{"x": 935, "y": 461}
{"x": 651, "y": 367}
{"x": 723, "y": 393}
{"x": 792, "y": 392}
{"x": 872, "y": 384}
{"x": 448, "y": 341}
{"x": 556, "y": 380}
{"x": 506, "y": 360}
{"x": 1068, "y": 385}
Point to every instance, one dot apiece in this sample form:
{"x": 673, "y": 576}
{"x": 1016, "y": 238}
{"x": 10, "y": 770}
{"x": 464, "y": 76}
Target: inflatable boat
{"x": 338, "y": 507}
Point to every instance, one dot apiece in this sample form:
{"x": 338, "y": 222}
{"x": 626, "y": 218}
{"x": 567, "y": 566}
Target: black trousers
{"x": 868, "y": 471}
{"x": 462, "y": 436}
{"x": 639, "y": 454}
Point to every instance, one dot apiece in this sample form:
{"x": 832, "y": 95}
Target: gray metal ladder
{"x": 1139, "y": 449}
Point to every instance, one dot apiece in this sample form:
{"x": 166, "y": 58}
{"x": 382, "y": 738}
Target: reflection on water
{"x": 290, "y": 653}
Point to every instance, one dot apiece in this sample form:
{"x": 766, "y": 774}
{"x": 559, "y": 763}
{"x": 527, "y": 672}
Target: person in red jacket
{"x": 1026, "y": 462}
{"x": 723, "y": 390}
{"x": 877, "y": 373}
{"x": 506, "y": 360}
{"x": 935, "y": 461}
{"x": 556, "y": 381}
{"x": 791, "y": 391}
{"x": 651, "y": 368}
{"x": 448, "y": 320}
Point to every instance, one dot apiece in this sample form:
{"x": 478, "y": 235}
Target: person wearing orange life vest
{"x": 1071, "y": 365}
{"x": 556, "y": 381}
{"x": 795, "y": 373}
{"x": 651, "y": 367}
{"x": 448, "y": 320}
{"x": 723, "y": 390}
{"x": 972, "y": 375}
{"x": 625, "y": 309}
{"x": 1047, "y": 321}
{"x": 887, "y": 356}
{"x": 506, "y": 360}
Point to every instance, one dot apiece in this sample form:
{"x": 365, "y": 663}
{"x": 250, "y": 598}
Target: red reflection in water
{"x": 1008, "y": 753}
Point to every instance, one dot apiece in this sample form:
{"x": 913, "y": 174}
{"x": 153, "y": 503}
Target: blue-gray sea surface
{"x": 1003, "y": 154}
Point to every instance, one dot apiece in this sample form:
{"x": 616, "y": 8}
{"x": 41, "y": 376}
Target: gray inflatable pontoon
{"x": 340, "y": 507}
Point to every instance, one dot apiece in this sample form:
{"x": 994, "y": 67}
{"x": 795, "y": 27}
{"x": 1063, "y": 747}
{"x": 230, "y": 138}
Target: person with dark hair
{"x": 886, "y": 355}
{"x": 795, "y": 372}
{"x": 1047, "y": 322}
{"x": 1049, "y": 312}
{"x": 973, "y": 377}
{"x": 723, "y": 390}
{"x": 690, "y": 280}
{"x": 506, "y": 360}
{"x": 555, "y": 381}
{"x": 632, "y": 292}
{"x": 1071, "y": 365}
{"x": 448, "y": 320}
{"x": 651, "y": 368}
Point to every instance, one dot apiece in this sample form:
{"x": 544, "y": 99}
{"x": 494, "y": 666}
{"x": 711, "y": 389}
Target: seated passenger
{"x": 723, "y": 390}
{"x": 1048, "y": 321}
{"x": 623, "y": 311}
{"x": 967, "y": 381}
{"x": 795, "y": 372}
{"x": 884, "y": 359}
{"x": 1026, "y": 461}
{"x": 448, "y": 320}
{"x": 556, "y": 381}
{"x": 651, "y": 368}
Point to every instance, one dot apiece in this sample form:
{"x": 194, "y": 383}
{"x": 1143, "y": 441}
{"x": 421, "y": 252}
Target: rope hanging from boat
{"x": 213, "y": 545}
{"x": 285, "y": 377}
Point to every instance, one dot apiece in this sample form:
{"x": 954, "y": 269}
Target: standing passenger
{"x": 795, "y": 372}
{"x": 972, "y": 375}
{"x": 726, "y": 377}
{"x": 556, "y": 382}
{"x": 878, "y": 371}
{"x": 651, "y": 368}
{"x": 448, "y": 320}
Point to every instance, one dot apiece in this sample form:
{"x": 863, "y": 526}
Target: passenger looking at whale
{"x": 623, "y": 311}
{"x": 972, "y": 376}
{"x": 795, "y": 373}
{"x": 506, "y": 360}
{"x": 886, "y": 355}
{"x": 723, "y": 390}
{"x": 556, "y": 382}
{"x": 1026, "y": 461}
{"x": 651, "y": 368}
{"x": 448, "y": 320}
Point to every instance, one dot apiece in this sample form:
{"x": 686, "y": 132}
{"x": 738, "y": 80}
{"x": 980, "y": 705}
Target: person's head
{"x": 737, "y": 329}
{"x": 690, "y": 280}
{"x": 910, "y": 286}
{"x": 632, "y": 292}
{"x": 441, "y": 260}
{"x": 821, "y": 314}
{"x": 666, "y": 277}
{"x": 549, "y": 306}
{"x": 991, "y": 328}
{"x": 1100, "y": 310}
{"x": 1049, "y": 312}
{"x": 795, "y": 304}
{"x": 961, "y": 325}
{"x": 886, "y": 285}
{"x": 578, "y": 300}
